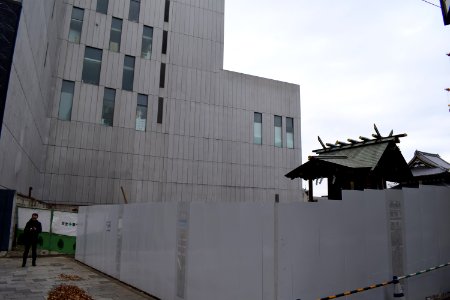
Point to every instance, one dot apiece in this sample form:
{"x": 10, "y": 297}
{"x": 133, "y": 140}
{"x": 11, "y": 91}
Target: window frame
{"x": 164, "y": 42}
{"x": 257, "y": 119}
{"x": 166, "y": 11}
{"x": 65, "y": 84}
{"x": 139, "y": 108}
{"x": 115, "y": 30}
{"x": 126, "y": 70}
{"x": 89, "y": 62}
{"x": 290, "y": 133}
{"x": 131, "y": 16}
{"x": 112, "y": 101}
{"x": 159, "y": 117}
{"x": 162, "y": 76}
{"x": 72, "y": 27}
{"x": 100, "y": 8}
{"x": 147, "y": 42}
{"x": 278, "y": 129}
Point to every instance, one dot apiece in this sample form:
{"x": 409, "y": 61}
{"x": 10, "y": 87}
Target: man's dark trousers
{"x": 33, "y": 246}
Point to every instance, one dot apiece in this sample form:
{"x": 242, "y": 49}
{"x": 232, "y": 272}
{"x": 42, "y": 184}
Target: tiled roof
{"x": 356, "y": 157}
{"x": 361, "y": 154}
{"x": 429, "y": 160}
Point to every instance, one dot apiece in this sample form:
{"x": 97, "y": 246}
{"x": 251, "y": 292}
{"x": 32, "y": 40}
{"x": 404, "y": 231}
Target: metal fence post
{"x": 398, "y": 291}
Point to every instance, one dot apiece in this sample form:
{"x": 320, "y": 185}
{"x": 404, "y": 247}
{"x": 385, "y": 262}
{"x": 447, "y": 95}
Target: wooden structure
{"x": 355, "y": 165}
{"x": 428, "y": 168}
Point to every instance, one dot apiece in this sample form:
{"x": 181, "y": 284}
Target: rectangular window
{"x": 92, "y": 65}
{"x": 147, "y": 38}
{"x": 164, "y": 42}
{"x": 141, "y": 112}
{"x": 290, "y": 133}
{"x": 108, "y": 107}
{"x": 160, "y": 110}
{"x": 102, "y": 6}
{"x": 257, "y": 128}
{"x": 278, "y": 132}
{"x": 76, "y": 24}
{"x": 115, "y": 35}
{"x": 166, "y": 11}
{"x": 162, "y": 75}
{"x": 128, "y": 73}
{"x": 135, "y": 7}
{"x": 65, "y": 102}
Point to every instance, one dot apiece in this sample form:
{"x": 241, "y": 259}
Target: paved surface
{"x": 35, "y": 282}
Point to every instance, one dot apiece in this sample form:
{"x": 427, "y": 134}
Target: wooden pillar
{"x": 310, "y": 194}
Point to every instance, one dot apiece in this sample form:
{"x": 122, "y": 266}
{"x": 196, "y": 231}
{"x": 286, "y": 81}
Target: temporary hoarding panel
{"x": 283, "y": 251}
{"x": 65, "y": 223}
{"x": 24, "y": 215}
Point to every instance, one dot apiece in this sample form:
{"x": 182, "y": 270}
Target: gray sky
{"x": 357, "y": 63}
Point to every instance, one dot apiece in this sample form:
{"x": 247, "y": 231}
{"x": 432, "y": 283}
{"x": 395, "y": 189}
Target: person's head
{"x": 34, "y": 216}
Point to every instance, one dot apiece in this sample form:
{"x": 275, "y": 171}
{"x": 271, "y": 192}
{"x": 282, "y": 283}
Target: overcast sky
{"x": 357, "y": 63}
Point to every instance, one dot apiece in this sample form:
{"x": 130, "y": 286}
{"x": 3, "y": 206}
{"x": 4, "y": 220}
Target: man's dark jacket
{"x": 32, "y": 230}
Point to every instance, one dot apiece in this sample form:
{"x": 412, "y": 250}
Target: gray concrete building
{"x": 132, "y": 93}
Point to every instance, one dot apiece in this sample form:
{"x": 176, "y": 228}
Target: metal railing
{"x": 397, "y": 294}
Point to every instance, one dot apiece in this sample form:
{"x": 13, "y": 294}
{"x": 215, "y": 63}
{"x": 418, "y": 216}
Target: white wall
{"x": 248, "y": 250}
{"x": 427, "y": 242}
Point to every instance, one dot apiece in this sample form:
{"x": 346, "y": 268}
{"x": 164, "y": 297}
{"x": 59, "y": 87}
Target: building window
{"x": 290, "y": 133}
{"x": 160, "y": 110}
{"x": 76, "y": 23}
{"x": 92, "y": 65}
{"x": 115, "y": 35}
{"x": 147, "y": 38}
{"x": 128, "y": 73}
{"x": 166, "y": 11}
{"x": 278, "y": 132}
{"x": 257, "y": 128}
{"x": 162, "y": 75}
{"x": 141, "y": 112}
{"x": 65, "y": 102}
{"x": 102, "y": 6}
{"x": 108, "y": 107}
{"x": 135, "y": 7}
{"x": 164, "y": 42}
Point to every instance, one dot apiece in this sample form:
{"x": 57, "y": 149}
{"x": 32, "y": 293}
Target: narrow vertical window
{"x": 91, "y": 65}
{"x": 76, "y": 24}
{"x": 128, "y": 73}
{"x": 290, "y": 133}
{"x": 102, "y": 6}
{"x": 115, "y": 35}
{"x": 65, "y": 101}
{"x": 141, "y": 112}
{"x": 135, "y": 7}
{"x": 147, "y": 38}
{"x": 162, "y": 75}
{"x": 109, "y": 98}
{"x": 166, "y": 11}
{"x": 257, "y": 128}
{"x": 278, "y": 132}
{"x": 160, "y": 110}
{"x": 164, "y": 42}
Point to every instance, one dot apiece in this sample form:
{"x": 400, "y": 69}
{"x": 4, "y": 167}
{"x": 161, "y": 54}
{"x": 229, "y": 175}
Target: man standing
{"x": 31, "y": 234}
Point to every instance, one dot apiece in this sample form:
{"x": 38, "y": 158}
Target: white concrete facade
{"x": 202, "y": 150}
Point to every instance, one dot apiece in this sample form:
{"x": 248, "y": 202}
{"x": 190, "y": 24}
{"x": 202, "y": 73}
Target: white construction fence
{"x": 284, "y": 251}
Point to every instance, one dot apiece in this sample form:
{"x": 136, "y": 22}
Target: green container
{"x": 52, "y": 242}
{"x": 62, "y": 243}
